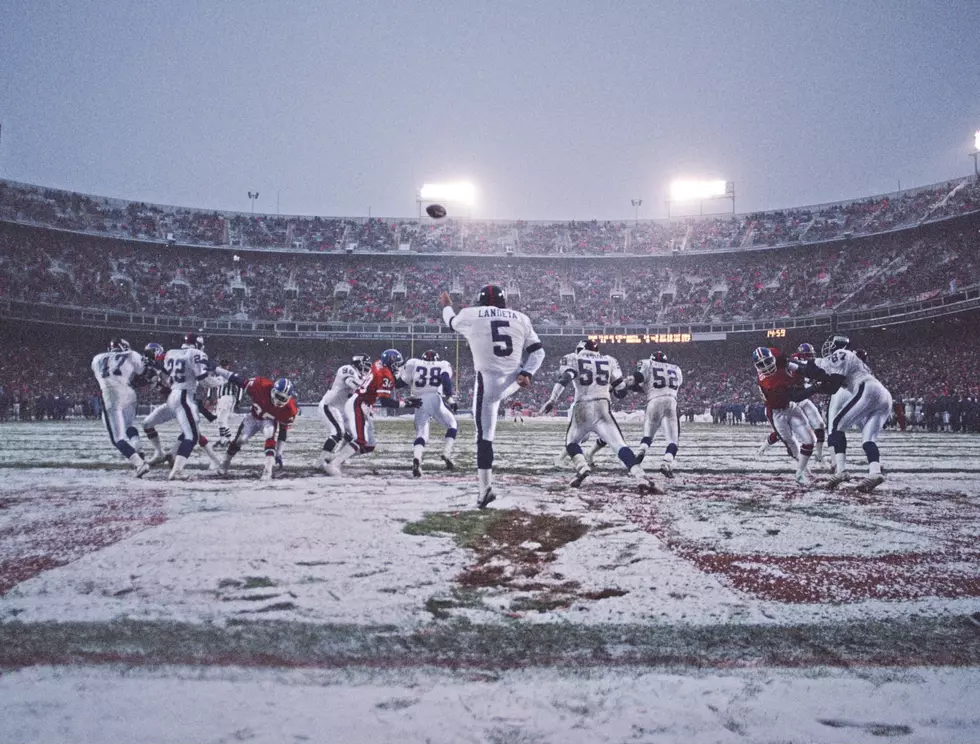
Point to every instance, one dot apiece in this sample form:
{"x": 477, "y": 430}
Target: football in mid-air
{"x": 436, "y": 211}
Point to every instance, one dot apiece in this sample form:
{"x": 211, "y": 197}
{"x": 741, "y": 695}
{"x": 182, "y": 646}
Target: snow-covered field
{"x": 377, "y": 607}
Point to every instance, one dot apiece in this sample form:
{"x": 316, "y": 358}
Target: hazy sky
{"x": 553, "y": 109}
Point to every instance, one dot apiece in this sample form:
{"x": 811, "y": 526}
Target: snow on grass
{"x": 733, "y": 540}
{"x": 426, "y": 706}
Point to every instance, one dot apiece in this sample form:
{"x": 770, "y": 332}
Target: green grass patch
{"x": 466, "y": 527}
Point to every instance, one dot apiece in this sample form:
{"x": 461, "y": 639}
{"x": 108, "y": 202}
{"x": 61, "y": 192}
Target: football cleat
{"x": 193, "y": 341}
{"x": 485, "y": 498}
{"x": 491, "y": 296}
{"x": 143, "y": 469}
{"x": 118, "y": 344}
{"x": 450, "y": 465}
{"x": 803, "y": 479}
{"x": 282, "y": 391}
{"x": 330, "y": 469}
{"x": 416, "y": 468}
{"x": 837, "y": 478}
{"x": 392, "y": 359}
{"x": 764, "y": 361}
{"x": 579, "y": 477}
{"x": 869, "y": 484}
{"x": 639, "y": 456}
{"x": 431, "y": 355}
{"x": 178, "y": 475}
{"x": 667, "y": 469}
{"x": 649, "y": 487}
{"x": 763, "y": 448}
{"x": 162, "y": 457}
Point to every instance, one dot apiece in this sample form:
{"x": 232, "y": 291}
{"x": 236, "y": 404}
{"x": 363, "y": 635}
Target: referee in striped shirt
{"x": 229, "y": 394}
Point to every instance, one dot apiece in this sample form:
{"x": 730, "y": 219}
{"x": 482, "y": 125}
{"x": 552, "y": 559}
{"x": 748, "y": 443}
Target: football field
{"x": 737, "y": 606}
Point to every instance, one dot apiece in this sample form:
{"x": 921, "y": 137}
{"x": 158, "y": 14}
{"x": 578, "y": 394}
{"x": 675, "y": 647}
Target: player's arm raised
{"x": 227, "y": 374}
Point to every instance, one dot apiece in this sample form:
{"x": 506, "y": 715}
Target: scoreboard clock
{"x": 776, "y": 333}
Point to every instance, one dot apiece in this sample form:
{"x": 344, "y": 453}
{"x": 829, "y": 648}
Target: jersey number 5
{"x": 501, "y": 338}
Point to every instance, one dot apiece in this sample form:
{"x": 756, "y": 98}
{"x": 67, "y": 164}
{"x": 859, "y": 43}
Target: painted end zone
{"x": 45, "y": 529}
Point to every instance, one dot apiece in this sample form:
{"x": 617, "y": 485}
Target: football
{"x": 436, "y": 211}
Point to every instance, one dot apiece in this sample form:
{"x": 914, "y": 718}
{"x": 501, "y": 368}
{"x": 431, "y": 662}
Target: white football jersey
{"x": 845, "y": 362}
{"x": 345, "y": 382}
{"x": 660, "y": 379}
{"x": 425, "y": 377}
{"x": 186, "y": 368}
{"x": 593, "y": 374}
{"x": 117, "y": 368}
{"x": 498, "y": 338}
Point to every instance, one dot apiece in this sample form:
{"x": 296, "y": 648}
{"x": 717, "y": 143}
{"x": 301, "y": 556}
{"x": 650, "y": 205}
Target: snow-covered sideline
{"x": 423, "y": 706}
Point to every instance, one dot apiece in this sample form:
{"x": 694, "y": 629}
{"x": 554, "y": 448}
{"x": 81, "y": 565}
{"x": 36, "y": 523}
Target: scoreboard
{"x": 641, "y": 338}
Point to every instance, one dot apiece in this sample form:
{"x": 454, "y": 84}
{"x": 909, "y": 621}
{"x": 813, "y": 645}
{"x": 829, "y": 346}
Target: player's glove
{"x": 413, "y": 403}
{"x": 278, "y": 460}
{"x": 547, "y": 408}
{"x": 451, "y": 404}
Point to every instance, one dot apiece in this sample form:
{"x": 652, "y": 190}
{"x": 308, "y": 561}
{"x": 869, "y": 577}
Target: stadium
{"x": 298, "y": 296}
{"x": 709, "y": 476}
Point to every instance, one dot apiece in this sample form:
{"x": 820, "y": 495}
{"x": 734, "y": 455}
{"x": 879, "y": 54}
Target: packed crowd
{"x": 45, "y": 266}
{"x": 140, "y": 221}
{"x": 930, "y": 368}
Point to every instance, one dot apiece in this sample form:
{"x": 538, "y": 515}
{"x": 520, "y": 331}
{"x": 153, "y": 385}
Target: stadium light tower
{"x": 252, "y": 196}
{"x": 461, "y": 193}
{"x": 637, "y": 203}
{"x": 976, "y": 152}
{"x": 693, "y": 190}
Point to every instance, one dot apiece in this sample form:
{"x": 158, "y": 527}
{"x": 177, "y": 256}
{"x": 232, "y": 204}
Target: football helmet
{"x": 392, "y": 359}
{"x": 193, "y": 341}
{"x": 659, "y": 356}
{"x": 491, "y": 296}
{"x": 764, "y": 361}
{"x": 361, "y": 362}
{"x": 587, "y": 344}
{"x": 806, "y": 352}
{"x": 862, "y": 354}
{"x": 431, "y": 355}
{"x": 834, "y": 343}
{"x": 282, "y": 391}
{"x": 118, "y": 344}
{"x": 154, "y": 352}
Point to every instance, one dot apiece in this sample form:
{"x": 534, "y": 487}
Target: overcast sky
{"x": 554, "y": 110}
